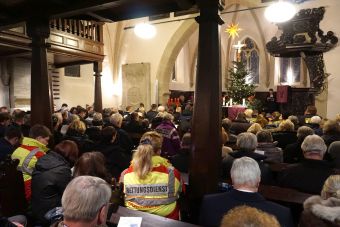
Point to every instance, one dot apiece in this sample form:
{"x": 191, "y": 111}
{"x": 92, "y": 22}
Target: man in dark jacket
{"x": 152, "y": 113}
{"x": 310, "y": 174}
{"x": 10, "y": 142}
{"x": 245, "y": 175}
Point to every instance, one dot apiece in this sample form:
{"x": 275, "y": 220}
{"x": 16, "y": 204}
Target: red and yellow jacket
{"x": 28, "y": 154}
{"x": 157, "y": 193}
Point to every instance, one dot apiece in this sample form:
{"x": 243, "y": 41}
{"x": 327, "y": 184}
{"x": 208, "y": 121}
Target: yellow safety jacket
{"x": 28, "y": 153}
{"x": 157, "y": 193}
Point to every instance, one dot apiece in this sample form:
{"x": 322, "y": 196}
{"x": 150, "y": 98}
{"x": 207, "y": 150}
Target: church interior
{"x": 125, "y": 55}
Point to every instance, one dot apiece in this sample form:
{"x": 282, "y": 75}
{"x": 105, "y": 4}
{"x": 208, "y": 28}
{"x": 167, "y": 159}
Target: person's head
{"x": 4, "y": 109}
{"x": 294, "y": 120}
{"x": 311, "y": 110}
{"x": 241, "y": 117}
{"x": 245, "y": 173}
{"x": 154, "y": 107}
{"x": 260, "y": 119}
{"x": 81, "y": 112}
{"x": 97, "y": 119}
{"x": 245, "y": 216}
{"x": 331, "y": 187}
{"x": 286, "y": 126}
{"x": 331, "y": 127}
{"x": 226, "y": 124}
{"x": 91, "y": 164}
{"x": 13, "y": 135}
{"x": 271, "y": 91}
{"x": 129, "y": 109}
{"x": 68, "y": 149}
{"x": 264, "y": 136}
{"x": 134, "y": 116}
{"x": 254, "y": 128}
{"x": 40, "y": 133}
{"x": 248, "y": 113}
{"x": 246, "y": 141}
{"x": 304, "y": 131}
{"x": 161, "y": 109}
{"x": 142, "y": 159}
{"x": 108, "y": 134}
{"x": 19, "y": 117}
{"x": 156, "y": 140}
{"x": 57, "y": 119}
{"x": 276, "y": 116}
{"x": 5, "y": 118}
{"x": 85, "y": 200}
{"x": 168, "y": 117}
{"x": 313, "y": 147}
{"x": 315, "y": 120}
{"x": 77, "y": 126}
{"x": 116, "y": 119}
{"x": 224, "y": 136}
{"x": 186, "y": 140}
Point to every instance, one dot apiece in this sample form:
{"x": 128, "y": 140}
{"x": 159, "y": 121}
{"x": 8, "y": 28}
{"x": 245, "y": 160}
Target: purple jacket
{"x": 171, "y": 141}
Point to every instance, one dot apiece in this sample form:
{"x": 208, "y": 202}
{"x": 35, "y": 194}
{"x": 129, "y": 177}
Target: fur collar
{"x": 328, "y": 209}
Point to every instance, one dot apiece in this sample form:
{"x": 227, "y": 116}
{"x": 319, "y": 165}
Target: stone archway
{"x": 174, "y": 46}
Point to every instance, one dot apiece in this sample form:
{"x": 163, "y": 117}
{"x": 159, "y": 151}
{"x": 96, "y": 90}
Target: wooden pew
{"x": 148, "y": 220}
{"x": 12, "y": 192}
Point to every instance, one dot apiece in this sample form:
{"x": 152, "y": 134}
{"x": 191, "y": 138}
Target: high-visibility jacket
{"x": 157, "y": 193}
{"x": 28, "y": 153}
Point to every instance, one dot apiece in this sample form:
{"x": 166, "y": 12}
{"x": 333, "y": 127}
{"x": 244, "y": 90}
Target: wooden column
{"x": 41, "y": 95}
{"x": 97, "y": 68}
{"x": 206, "y": 128}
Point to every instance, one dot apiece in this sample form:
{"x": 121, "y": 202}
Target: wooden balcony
{"x": 71, "y": 42}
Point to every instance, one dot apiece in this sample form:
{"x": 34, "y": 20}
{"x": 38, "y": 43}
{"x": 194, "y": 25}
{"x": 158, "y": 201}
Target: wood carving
{"x": 303, "y": 37}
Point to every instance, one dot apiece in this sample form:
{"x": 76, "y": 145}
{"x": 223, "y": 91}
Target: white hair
{"x": 246, "y": 141}
{"x": 315, "y": 120}
{"x": 245, "y": 171}
{"x": 161, "y": 109}
{"x": 248, "y": 113}
{"x": 116, "y": 119}
{"x": 314, "y": 143}
{"x": 83, "y": 197}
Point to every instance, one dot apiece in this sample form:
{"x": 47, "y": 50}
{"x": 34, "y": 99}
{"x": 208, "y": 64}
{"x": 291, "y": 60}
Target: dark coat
{"x": 94, "y": 133}
{"x": 266, "y": 174}
{"x": 216, "y": 205}
{"x": 124, "y": 141}
{"x": 83, "y": 142}
{"x": 49, "y": 179}
{"x": 284, "y": 138}
{"x": 271, "y": 151}
{"x": 307, "y": 176}
{"x": 5, "y": 148}
{"x": 116, "y": 159}
{"x": 151, "y": 114}
{"x": 330, "y": 138}
{"x": 238, "y": 127}
{"x": 293, "y": 152}
{"x": 181, "y": 160}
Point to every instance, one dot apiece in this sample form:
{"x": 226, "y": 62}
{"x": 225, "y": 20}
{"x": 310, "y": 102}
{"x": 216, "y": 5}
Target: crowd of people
{"x": 74, "y": 165}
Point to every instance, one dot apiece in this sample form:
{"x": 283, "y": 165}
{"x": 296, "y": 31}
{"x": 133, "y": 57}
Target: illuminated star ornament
{"x": 233, "y": 30}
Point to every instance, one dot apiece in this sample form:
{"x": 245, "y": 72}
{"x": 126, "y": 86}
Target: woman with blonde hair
{"x": 151, "y": 184}
{"x": 284, "y": 134}
{"x": 254, "y": 128}
{"x": 323, "y": 210}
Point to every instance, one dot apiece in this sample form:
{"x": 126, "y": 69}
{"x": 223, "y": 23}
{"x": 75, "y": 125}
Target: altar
{"x": 232, "y": 111}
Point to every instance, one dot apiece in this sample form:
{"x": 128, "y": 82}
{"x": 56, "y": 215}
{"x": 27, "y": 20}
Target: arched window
{"x": 251, "y": 59}
{"x": 290, "y": 70}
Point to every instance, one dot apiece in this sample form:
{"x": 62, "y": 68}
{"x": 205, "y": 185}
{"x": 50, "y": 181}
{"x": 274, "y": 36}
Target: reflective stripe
{"x": 151, "y": 201}
{"x": 24, "y": 167}
{"x": 171, "y": 182}
{"x": 146, "y": 189}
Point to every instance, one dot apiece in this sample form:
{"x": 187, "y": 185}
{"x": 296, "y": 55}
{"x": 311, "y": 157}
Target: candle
{"x": 243, "y": 102}
{"x": 231, "y": 102}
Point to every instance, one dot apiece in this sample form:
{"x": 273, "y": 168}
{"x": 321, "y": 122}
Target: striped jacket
{"x": 157, "y": 193}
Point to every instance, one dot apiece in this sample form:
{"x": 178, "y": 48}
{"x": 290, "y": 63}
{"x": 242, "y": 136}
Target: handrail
{"x": 91, "y": 30}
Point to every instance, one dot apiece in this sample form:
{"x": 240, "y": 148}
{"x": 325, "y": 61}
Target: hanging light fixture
{"x": 145, "y": 31}
{"x": 280, "y": 11}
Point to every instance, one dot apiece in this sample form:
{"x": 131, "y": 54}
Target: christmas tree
{"x": 238, "y": 89}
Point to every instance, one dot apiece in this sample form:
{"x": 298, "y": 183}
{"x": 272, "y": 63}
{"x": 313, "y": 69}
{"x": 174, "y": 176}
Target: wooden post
{"x": 206, "y": 129}
{"x": 41, "y": 95}
{"x": 97, "y": 68}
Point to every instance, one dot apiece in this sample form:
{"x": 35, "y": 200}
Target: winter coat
{"x": 271, "y": 151}
{"x": 171, "y": 141}
{"x": 320, "y": 212}
{"x": 49, "y": 179}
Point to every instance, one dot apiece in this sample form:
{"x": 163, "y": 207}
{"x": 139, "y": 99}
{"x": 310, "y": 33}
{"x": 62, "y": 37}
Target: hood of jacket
{"x": 34, "y": 143}
{"x": 327, "y": 209}
{"x": 50, "y": 161}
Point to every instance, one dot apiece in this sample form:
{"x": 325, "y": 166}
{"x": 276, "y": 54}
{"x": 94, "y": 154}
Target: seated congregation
{"x": 92, "y": 164}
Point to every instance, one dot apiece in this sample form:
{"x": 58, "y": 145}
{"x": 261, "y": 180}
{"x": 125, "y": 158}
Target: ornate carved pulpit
{"x": 303, "y": 37}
